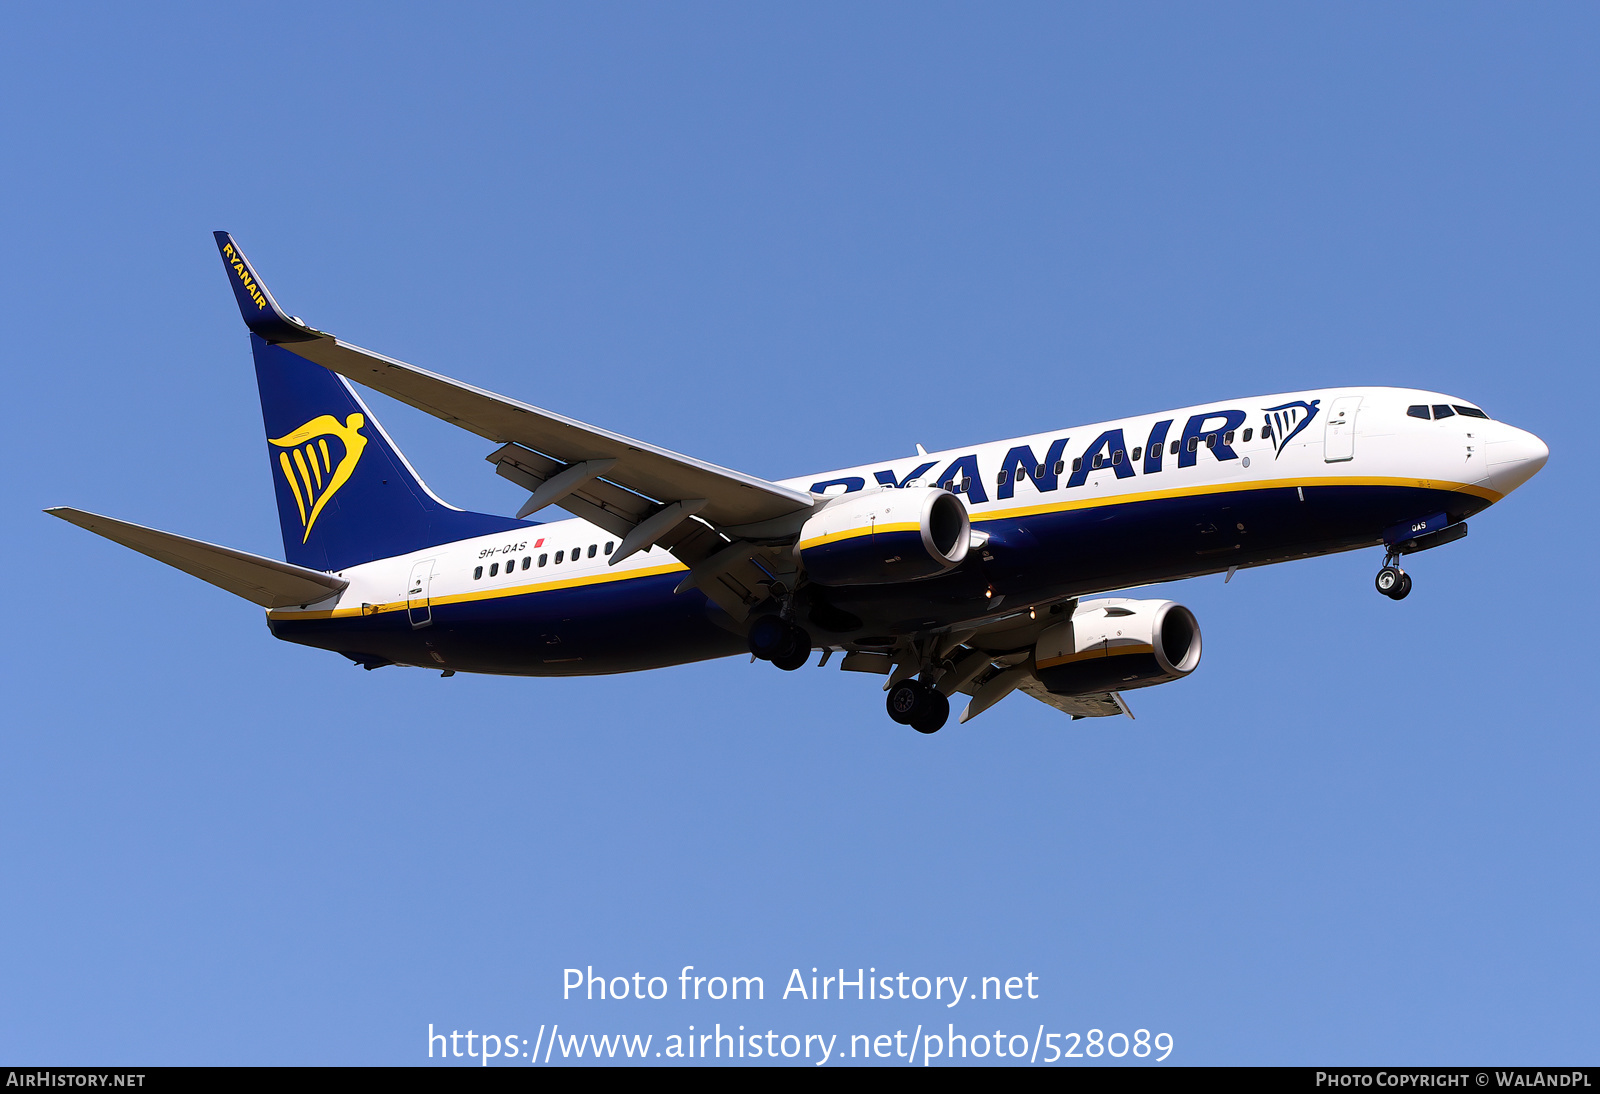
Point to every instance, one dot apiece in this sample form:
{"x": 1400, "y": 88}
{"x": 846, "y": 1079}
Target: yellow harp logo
{"x": 309, "y": 468}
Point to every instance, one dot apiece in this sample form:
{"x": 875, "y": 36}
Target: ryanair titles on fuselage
{"x": 1055, "y": 467}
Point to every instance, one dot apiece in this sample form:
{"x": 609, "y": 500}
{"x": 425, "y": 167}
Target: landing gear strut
{"x": 915, "y": 704}
{"x": 1392, "y": 581}
{"x": 775, "y": 639}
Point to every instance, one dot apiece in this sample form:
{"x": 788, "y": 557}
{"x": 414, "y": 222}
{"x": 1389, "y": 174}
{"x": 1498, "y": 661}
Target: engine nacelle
{"x": 1117, "y": 645}
{"x": 885, "y": 536}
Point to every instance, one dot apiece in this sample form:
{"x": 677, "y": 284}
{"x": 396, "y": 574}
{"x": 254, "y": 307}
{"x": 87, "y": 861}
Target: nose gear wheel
{"x": 1393, "y": 582}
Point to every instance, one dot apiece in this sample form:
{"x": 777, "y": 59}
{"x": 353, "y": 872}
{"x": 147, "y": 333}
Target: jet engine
{"x": 885, "y": 536}
{"x": 1117, "y": 645}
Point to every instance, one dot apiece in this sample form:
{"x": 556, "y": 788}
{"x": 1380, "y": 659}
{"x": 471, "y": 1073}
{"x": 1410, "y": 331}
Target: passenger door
{"x": 1339, "y": 438}
{"x": 417, "y": 606}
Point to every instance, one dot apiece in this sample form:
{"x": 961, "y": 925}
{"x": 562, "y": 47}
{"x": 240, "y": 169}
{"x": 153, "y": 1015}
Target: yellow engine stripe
{"x": 857, "y": 533}
{"x": 1101, "y": 652}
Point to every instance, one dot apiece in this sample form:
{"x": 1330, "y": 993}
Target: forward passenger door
{"x": 1339, "y": 438}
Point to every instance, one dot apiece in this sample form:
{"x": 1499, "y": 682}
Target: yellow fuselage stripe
{"x": 1230, "y": 487}
{"x": 977, "y": 518}
{"x": 481, "y": 594}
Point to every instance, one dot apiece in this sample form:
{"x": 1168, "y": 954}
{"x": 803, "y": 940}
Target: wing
{"x": 646, "y": 495}
{"x": 1104, "y": 705}
{"x": 730, "y": 498}
{"x": 264, "y": 581}
{"x": 992, "y": 661}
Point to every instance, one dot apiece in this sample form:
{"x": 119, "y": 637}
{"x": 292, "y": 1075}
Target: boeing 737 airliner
{"x": 960, "y": 571}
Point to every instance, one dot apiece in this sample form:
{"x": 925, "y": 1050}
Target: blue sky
{"x": 787, "y": 239}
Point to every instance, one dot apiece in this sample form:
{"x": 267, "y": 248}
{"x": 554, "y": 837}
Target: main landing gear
{"x": 775, "y": 639}
{"x": 915, "y": 704}
{"x": 1392, "y": 581}
{"x": 911, "y": 702}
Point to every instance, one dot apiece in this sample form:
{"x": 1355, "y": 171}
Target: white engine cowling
{"x": 884, "y": 536}
{"x": 1117, "y": 645}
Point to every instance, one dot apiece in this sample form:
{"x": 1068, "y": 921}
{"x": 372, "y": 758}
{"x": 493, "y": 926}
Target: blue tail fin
{"x": 345, "y": 493}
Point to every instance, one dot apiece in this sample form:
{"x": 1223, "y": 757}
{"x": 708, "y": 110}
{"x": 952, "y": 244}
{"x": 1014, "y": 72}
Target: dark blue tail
{"x": 345, "y": 493}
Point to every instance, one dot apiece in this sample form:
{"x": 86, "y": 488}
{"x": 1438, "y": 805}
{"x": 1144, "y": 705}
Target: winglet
{"x": 261, "y": 312}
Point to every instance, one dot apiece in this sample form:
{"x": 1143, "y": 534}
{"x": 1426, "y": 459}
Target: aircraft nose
{"x": 1514, "y": 457}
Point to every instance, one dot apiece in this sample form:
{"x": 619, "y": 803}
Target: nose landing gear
{"x": 1392, "y": 581}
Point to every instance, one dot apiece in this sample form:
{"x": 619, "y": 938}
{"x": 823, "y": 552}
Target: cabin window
{"x": 1116, "y": 458}
{"x": 1061, "y": 465}
{"x": 527, "y": 560}
{"x": 1417, "y": 411}
{"x": 1266, "y": 433}
{"x": 1247, "y": 433}
{"x": 966, "y": 484}
{"x": 1000, "y": 479}
{"x": 543, "y": 559}
{"x": 1077, "y": 464}
{"x": 1136, "y": 454}
{"x": 1440, "y": 410}
{"x": 477, "y": 573}
{"x": 1098, "y": 461}
{"x": 559, "y": 556}
{"x": 1194, "y": 443}
{"x": 1038, "y": 472}
{"x": 1469, "y": 411}
{"x": 1211, "y": 440}
{"x": 1227, "y": 438}
{"x": 494, "y": 568}
{"x": 592, "y": 550}
{"x": 608, "y": 546}
{"x": 1175, "y": 448}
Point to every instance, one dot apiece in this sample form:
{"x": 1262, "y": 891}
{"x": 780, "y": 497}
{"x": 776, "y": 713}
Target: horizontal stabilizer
{"x": 264, "y": 581}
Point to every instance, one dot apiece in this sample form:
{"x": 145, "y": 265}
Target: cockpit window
{"x": 1441, "y": 410}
